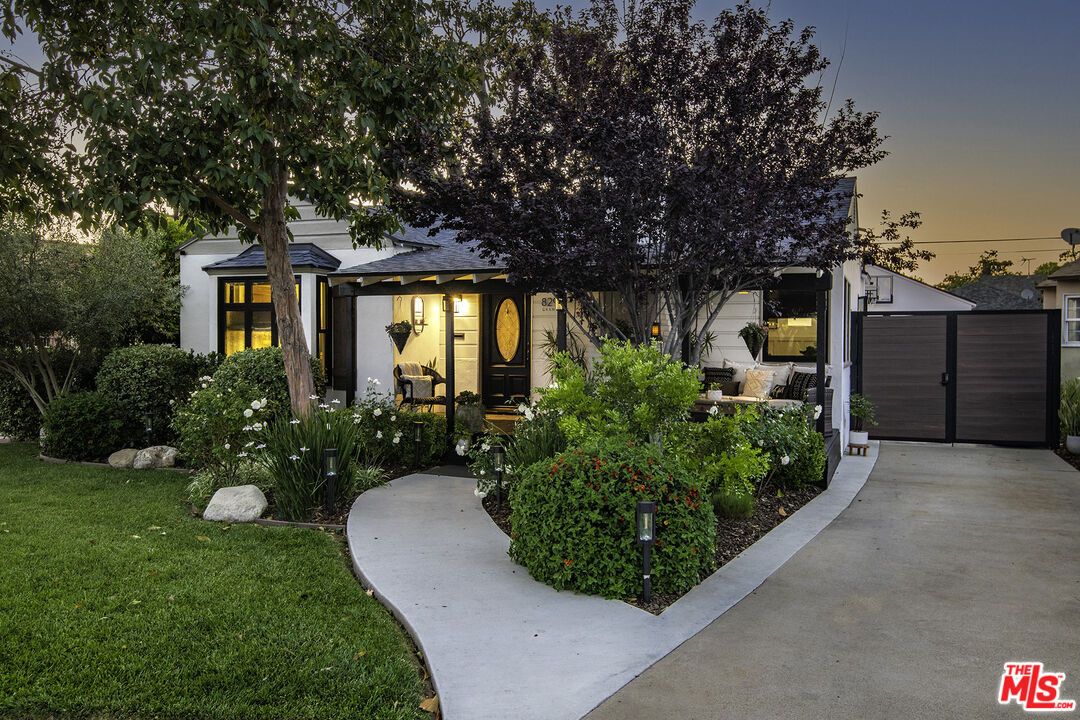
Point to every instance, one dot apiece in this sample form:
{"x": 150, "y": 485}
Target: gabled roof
{"x": 302, "y": 255}
{"x": 1003, "y": 292}
{"x": 878, "y": 269}
{"x": 450, "y": 258}
{"x": 1070, "y": 271}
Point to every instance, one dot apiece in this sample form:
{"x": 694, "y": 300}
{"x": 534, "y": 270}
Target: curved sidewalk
{"x": 499, "y": 644}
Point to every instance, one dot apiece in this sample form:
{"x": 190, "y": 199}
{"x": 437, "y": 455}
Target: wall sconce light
{"x": 418, "y": 321}
{"x": 646, "y": 536}
{"x": 460, "y": 305}
{"x": 655, "y": 332}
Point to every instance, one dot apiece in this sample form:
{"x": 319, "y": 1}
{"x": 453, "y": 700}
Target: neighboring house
{"x": 889, "y": 291}
{"x": 1061, "y": 291}
{"x": 1003, "y": 292}
{"x": 467, "y": 320}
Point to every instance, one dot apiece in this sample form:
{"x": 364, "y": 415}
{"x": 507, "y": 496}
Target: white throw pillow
{"x": 740, "y": 369}
{"x": 781, "y": 371}
{"x": 759, "y": 382}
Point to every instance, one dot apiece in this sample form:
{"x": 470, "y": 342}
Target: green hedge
{"x": 19, "y": 416}
{"x": 82, "y": 426}
{"x": 574, "y": 521}
{"x": 262, "y": 370}
{"x": 148, "y": 378}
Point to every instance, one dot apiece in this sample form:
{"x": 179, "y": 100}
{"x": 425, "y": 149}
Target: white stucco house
{"x": 480, "y": 333}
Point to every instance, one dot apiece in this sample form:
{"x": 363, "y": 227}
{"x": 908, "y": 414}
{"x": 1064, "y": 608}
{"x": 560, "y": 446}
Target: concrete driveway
{"x": 951, "y": 562}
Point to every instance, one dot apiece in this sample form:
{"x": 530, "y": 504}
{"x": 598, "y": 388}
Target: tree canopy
{"x": 988, "y": 264}
{"x": 223, "y": 111}
{"x": 889, "y": 248}
{"x": 65, "y": 303}
{"x": 646, "y": 154}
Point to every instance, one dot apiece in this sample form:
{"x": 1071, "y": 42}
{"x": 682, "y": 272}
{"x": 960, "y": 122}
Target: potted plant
{"x": 754, "y": 334}
{"x": 399, "y": 332}
{"x": 1069, "y": 414}
{"x": 715, "y": 392}
{"x": 862, "y": 411}
{"x": 470, "y": 410}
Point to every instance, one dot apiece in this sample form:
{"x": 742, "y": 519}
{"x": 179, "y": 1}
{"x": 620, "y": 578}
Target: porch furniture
{"x": 416, "y": 384}
{"x": 854, "y": 449}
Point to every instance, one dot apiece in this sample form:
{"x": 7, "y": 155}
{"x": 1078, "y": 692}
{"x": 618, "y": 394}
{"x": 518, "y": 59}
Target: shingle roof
{"x": 1003, "y": 292}
{"x": 1070, "y": 271}
{"x": 302, "y": 255}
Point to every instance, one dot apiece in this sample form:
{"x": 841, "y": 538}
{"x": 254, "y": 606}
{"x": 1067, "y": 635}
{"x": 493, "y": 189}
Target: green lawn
{"x": 116, "y": 603}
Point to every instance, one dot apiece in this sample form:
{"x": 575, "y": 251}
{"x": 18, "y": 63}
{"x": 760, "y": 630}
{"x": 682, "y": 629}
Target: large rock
{"x": 155, "y": 457}
{"x": 242, "y": 503}
{"x": 123, "y": 458}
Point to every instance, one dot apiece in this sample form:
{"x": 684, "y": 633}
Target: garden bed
{"x": 733, "y": 535}
{"x": 1068, "y": 457}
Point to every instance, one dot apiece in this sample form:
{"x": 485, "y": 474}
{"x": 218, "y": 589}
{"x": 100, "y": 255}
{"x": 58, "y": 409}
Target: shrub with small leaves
{"x": 214, "y": 426}
{"x": 796, "y": 451}
{"x": 82, "y": 425}
{"x": 263, "y": 370}
{"x": 574, "y": 520}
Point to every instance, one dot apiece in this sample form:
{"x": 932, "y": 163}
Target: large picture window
{"x": 246, "y": 317}
{"x": 790, "y": 313}
{"x": 1070, "y": 318}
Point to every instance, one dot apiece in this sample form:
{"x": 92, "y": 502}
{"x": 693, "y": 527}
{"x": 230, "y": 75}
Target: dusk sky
{"x": 981, "y": 103}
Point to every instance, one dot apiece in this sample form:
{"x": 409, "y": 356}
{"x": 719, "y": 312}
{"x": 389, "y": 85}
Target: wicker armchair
{"x": 405, "y": 389}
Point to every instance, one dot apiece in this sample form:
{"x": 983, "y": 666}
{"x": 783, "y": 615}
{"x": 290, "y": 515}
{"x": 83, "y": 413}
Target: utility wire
{"x": 989, "y": 240}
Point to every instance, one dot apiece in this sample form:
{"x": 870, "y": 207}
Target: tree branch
{"x": 228, "y": 208}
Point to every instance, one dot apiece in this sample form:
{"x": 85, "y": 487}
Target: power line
{"x": 988, "y": 240}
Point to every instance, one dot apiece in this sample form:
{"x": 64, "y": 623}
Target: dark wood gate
{"x": 984, "y": 377}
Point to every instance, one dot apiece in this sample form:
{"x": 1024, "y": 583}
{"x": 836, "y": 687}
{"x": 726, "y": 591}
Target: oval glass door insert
{"x": 507, "y": 329}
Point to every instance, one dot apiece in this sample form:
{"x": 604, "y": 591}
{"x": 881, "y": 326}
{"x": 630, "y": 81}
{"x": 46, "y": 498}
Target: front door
{"x": 505, "y": 349}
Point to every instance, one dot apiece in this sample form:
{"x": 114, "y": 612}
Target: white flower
{"x": 714, "y": 410}
{"x": 817, "y": 411}
{"x": 397, "y": 434}
{"x": 377, "y": 412}
{"x": 521, "y": 408}
{"x": 355, "y": 417}
{"x": 461, "y": 446}
{"x": 554, "y": 385}
{"x": 254, "y": 404}
{"x": 485, "y": 447}
{"x": 227, "y": 446}
{"x": 397, "y": 439}
{"x": 323, "y": 406}
{"x": 294, "y": 457}
{"x": 483, "y": 473}
{"x": 249, "y": 443}
{"x": 785, "y": 460}
{"x": 356, "y": 420}
{"x": 248, "y": 428}
{"x": 260, "y": 446}
{"x": 375, "y": 382}
{"x": 378, "y": 435}
{"x": 294, "y": 421}
{"x": 528, "y": 414}
{"x": 206, "y": 378}
{"x": 312, "y": 397}
{"x": 335, "y": 402}
{"x": 479, "y": 493}
{"x": 303, "y": 449}
{"x": 248, "y": 412}
{"x": 761, "y": 443}
{"x": 257, "y": 426}
{"x": 241, "y": 454}
{"x": 393, "y": 418}
{"x": 203, "y": 386}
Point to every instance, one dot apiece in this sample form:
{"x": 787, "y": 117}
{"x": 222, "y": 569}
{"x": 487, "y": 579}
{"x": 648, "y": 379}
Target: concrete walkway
{"x": 951, "y": 562}
{"x": 499, "y": 644}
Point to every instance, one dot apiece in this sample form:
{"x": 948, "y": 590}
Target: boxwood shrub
{"x": 82, "y": 425}
{"x": 148, "y": 378}
{"x": 574, "y": 527}
{"x": 262, "y": 370}
{"x": 19, "y": 416}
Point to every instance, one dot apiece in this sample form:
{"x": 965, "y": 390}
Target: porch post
{"x": 560, "y": 324}
{"x": 448, "y": 322}
{"x": 824, "y": 283}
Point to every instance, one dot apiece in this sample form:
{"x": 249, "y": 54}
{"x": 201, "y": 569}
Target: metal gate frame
{"x": 1053, "y": 370}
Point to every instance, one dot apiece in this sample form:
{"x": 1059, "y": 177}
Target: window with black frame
{"x": 790, "y": 314}
{"x": 323, "y": 322}
{"x": 246, "y": 317}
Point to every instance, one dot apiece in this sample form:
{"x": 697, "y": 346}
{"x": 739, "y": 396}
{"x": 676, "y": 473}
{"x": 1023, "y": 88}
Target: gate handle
{"x": 944, "y": 378}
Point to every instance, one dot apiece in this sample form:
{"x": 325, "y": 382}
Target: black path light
{"x": 417, "y": 438}
{"x": 646, "y": 536}
{"x": 498, "y": 459}
{"x": 330, "y": 472}
{"x": 148, "y": 427}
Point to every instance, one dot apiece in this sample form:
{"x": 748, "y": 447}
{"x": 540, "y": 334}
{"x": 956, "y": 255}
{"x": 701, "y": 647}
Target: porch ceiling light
{"x": 418, "y": 320}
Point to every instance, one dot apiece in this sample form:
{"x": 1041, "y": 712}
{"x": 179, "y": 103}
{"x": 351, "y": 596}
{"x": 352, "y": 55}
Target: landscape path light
{"x": 330, "y": 473}
{"x": 498, "y": 458}
{"x": 148, "y": 427}
{"x": 417, "y": 438}
{"x": 646, "y": 536}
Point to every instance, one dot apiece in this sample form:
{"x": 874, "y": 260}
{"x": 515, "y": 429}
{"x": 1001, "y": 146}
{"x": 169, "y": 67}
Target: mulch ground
{"x": 1068, "y": 457}
{"x": 733, "y": 535}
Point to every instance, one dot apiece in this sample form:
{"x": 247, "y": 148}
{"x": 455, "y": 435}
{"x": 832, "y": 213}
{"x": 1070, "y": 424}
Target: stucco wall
{"x": 912, "y": 295}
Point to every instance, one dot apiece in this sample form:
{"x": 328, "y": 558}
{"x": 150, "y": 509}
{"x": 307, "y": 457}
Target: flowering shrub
{"x": 633, "y": 391}
{"x": 574, "y": 520}
{"x": 482, "y": 464}
{"x": 263, "y": 370}
{"x": 293, "y": 456}
{"x": 216, "y": 429}
{"x": 796, "y": 451}
{"x": 385, "y": 434}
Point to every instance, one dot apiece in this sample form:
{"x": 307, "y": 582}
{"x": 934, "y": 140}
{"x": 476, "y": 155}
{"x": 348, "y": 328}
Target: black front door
{"x": 505, "y": 349}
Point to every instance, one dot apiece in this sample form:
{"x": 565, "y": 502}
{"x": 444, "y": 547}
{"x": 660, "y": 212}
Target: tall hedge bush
{"x": 19, "y": 417}
{"x": 148, "y": 378}
{"x": 574, "y": 525}
{"x": 82, "y": 425}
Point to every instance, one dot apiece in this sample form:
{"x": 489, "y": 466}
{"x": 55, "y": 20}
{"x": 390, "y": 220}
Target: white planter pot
{"x": 1072, "y": 444}
{"x": 715, "y": 395}
{"x": 859, "y": 437}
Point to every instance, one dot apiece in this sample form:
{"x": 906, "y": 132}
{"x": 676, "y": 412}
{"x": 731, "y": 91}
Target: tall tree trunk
{"x": 275, "y": 242}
